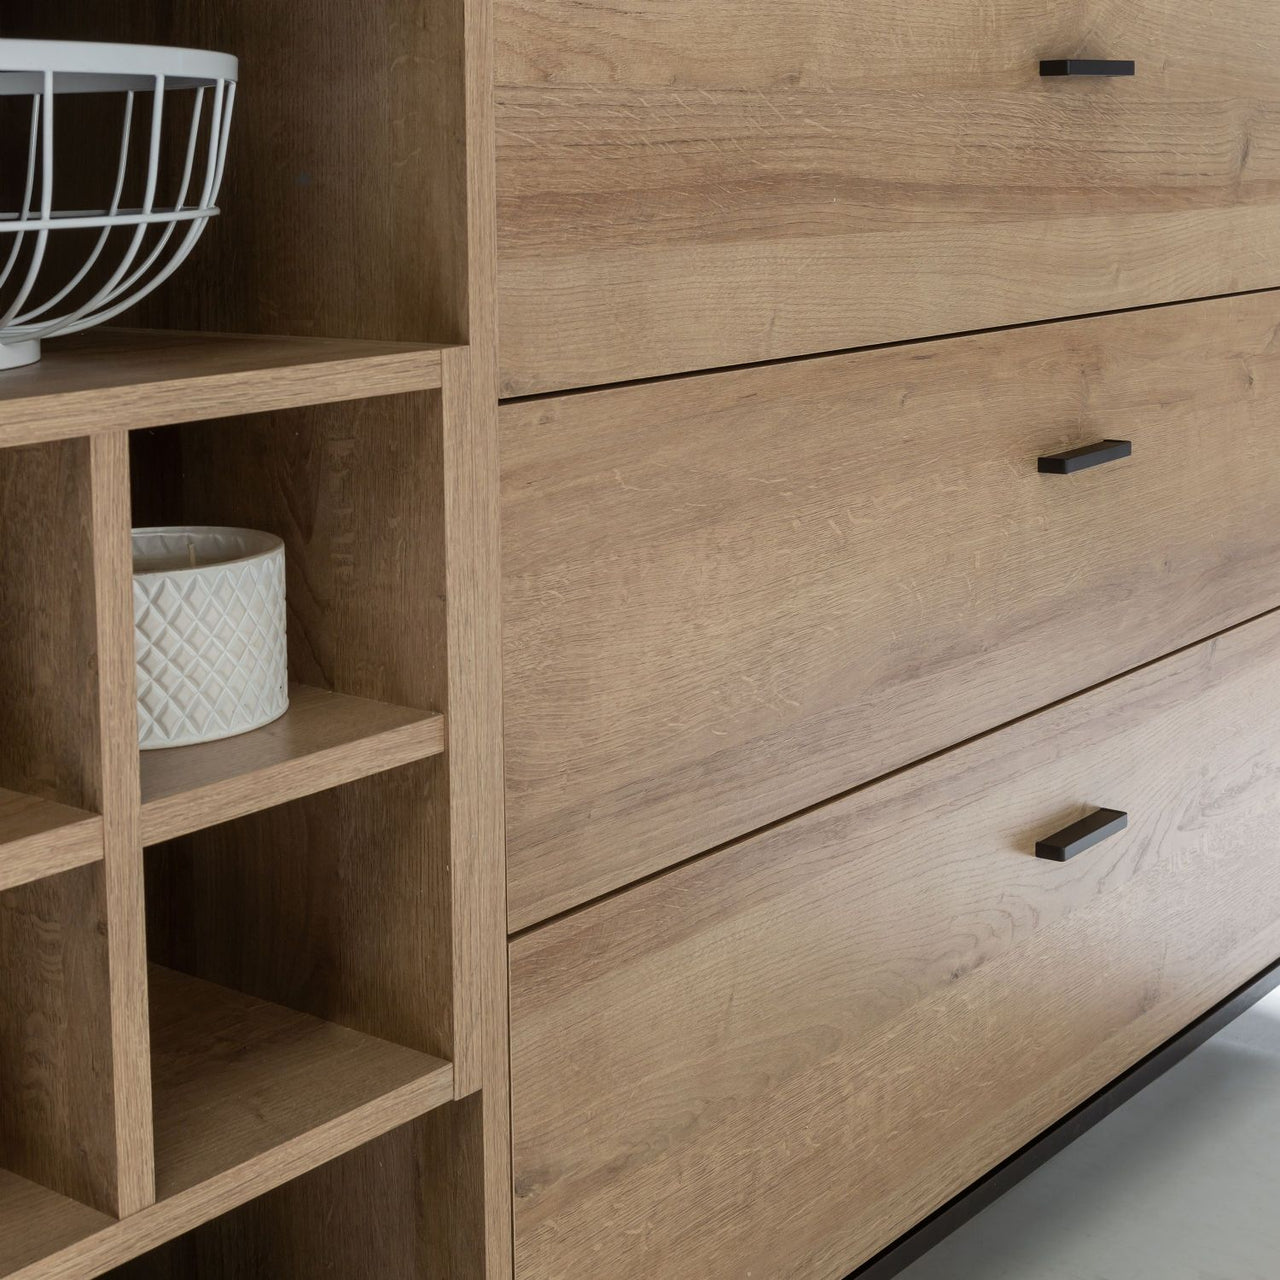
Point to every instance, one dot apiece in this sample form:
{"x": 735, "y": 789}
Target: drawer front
{"x": 694, "y": 185}
{"x": 732, "y": 596}
{"x": 774, "y": 1060}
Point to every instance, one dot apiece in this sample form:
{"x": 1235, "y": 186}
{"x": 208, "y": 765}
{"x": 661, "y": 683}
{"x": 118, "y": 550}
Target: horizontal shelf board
{"x": 322, "y": 741}
{"x": 127, "y": 379}
{"x": 36, "y": 1222}
{"x": 248, "y": 1094}
{"x": 41, "y": 838}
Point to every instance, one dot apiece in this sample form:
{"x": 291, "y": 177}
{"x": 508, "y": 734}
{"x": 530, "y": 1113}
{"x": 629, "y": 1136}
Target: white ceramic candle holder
{"x": 209, "y": 624}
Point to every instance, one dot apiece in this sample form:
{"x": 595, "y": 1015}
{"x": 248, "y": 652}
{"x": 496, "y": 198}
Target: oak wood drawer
{"x": 694, "y": 185}
{"x": 775, "y": 1059}
{"x": 728, "y": 597}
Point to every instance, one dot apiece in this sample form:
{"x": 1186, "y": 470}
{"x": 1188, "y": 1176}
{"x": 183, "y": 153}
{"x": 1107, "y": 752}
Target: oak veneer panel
{"x": 699, "y": 185}
{"x": 323, "y": 740}
{"x": 42, "y": 838}
{"x": 244, "y": 1085}
{"x": 57, "y": 1116}
{"x": 57, "y": 1125}
{"x": 732, "y": 596}
{"x": 125, "y": 379}
{"x": 122, "y": 874}
{"x": 48, "y": 641}
{"x": 844, "y": 1021}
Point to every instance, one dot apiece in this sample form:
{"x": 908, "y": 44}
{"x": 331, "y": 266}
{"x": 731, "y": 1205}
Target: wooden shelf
{"x": 36, "y": 1222}
{"x": 248, "y": 1094}
{"x": 126, "y": 379}
{"x": 322, "y": 741}
{"x": 40, "y": 838}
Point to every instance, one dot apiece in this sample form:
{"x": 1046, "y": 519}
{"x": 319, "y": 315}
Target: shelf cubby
{"x": 247, "y": 1093}
{"x": 55, "y": 1098}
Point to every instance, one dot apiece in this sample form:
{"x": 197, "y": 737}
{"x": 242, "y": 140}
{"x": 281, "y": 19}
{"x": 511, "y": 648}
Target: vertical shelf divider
{"x": 121, "y": 804}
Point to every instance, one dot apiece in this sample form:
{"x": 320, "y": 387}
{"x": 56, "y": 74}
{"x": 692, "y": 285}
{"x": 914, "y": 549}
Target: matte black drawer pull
{"x": 1089, "y": 455}
{"x": 1086, "y": 67}
{"x": 1082, "y": 835}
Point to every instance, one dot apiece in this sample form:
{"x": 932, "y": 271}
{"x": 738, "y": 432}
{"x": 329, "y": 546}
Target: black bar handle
{"x": 1082, "y": 835}
{"x": 1081, "y": 459}
{"x": 1087, "y": 67}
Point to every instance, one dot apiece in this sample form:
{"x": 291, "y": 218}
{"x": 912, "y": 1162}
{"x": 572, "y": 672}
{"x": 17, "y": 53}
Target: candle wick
{"x": 191, "y": 553}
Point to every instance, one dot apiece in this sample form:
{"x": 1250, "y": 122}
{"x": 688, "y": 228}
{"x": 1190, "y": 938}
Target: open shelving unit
{"x": 253, "y": 993}
{"x": 227, "y": 966}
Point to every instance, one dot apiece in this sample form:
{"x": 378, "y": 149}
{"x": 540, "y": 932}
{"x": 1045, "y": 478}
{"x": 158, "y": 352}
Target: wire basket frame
{"x": 174, "y": 108}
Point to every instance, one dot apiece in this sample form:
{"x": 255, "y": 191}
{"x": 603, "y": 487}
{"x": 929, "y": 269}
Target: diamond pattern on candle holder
{"x": 211, "y": 652}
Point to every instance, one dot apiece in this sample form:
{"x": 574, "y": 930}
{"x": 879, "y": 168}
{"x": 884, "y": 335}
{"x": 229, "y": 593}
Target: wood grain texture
{"x": 246, "y": 1086}
{"x": 731, "y": 596}
{"x": 35, "y": 1222}
{"x": 126, "y": 379}
{"x": 57, "y": 1116}
{"x": 48, "y": 644}
{"x": 311, "y": 1226}
{"x": 699, "y": 185}
{"x": 124, "y": 898}
{"x": 314, "y": 1216}
{"x": 323, "y": 740}
{"x": 42, "y": 838}
{"x": 846, "y": 1020}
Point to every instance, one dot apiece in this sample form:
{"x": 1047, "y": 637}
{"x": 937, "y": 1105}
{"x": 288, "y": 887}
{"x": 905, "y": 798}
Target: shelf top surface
{"x": 127, "y": 379}
{"x": 237, "y": 1079}
{"x": 322, "y": 741}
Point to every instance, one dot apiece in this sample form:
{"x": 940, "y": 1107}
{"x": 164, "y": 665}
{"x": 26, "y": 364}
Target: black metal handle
{"x": 1086, "y": 67}
{"x": 1081, "y": 459}
{"x": 1082, "y": 835}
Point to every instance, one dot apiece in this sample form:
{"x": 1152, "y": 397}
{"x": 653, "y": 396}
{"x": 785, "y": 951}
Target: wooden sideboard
{"x": 682, "y": 453}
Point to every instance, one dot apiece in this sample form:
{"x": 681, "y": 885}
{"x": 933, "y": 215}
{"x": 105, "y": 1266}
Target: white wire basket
{"x": 166, "y": 115}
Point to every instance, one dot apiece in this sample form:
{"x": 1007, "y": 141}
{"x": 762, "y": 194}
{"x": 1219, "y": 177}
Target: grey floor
{"x": 1181, "y": 1183}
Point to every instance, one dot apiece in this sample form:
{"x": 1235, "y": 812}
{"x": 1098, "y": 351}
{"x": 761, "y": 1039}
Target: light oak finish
{"x": 124, "y": 898}
{"x": 776, "y": 1059}
{"x": 124, "y": 379}
{"x": 248, "y": 1096}
{"x": 247, "y": 1087}
{"x": 36, "y": 1222}
{"x": 323, "y": 740}
{"x": 697, "y": 185}
{"x": 57, "y": 1118}
{"x": 42, "y": 838}
{"x": 732, "y": 596}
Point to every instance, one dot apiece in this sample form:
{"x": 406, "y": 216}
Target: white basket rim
{"x": 268, "y": 544}
{"x": 189, "y": 68}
